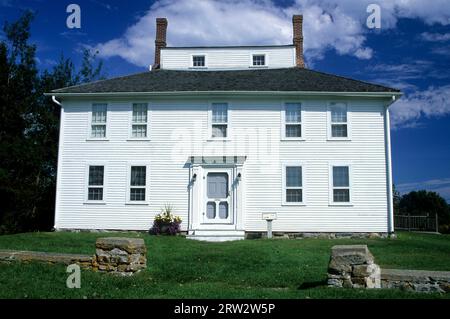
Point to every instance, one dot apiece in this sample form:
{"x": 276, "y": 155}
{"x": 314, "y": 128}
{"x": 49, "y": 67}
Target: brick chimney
{"x": 160, "y": 40}
{"x": 297, "y": 23}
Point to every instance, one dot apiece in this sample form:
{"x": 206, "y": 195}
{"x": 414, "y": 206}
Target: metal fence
{"x": 417, "y": 223}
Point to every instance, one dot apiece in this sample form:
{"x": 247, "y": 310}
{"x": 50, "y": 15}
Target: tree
{"x": 89, "y": 72}
{"x": 29, "y": 129}
{"x": 18, "y": 97}
{"x": 423, "y": 202}
{"x": 396, "y": 200}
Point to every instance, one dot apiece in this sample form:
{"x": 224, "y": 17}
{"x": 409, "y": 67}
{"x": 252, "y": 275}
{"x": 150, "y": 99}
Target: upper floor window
{"x": 95, "y": 183}
{"x": 98, "y": 120}
{"x": 341, "y": 184}
{"x": 198, "y": 61}
{"x": 338, "y": 120}
{"x": 139, "y": 120}
{"x": 293, "y": 120}
{"x": 259, "y": 60}
{"x": 219, "y": 120}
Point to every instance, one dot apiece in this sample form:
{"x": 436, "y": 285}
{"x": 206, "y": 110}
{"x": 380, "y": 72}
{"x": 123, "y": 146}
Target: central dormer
{"x": 227, "y": 58}
{"x": 209, "y": 58}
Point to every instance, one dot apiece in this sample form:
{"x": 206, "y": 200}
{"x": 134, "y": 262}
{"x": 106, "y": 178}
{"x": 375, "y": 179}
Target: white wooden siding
{"x": 227, "y": 58}
{"x": 179, "y": 129}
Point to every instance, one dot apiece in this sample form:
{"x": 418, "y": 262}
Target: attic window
{"x": 259, "y": 60}
{"x": 198, "y": 61}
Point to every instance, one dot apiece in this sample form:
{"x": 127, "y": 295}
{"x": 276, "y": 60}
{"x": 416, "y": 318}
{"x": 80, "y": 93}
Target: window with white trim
{"x": 293, "y": 184}
{"x": 198, "y": 61}
{"x": 258, "y": 60}
{"x": 293, "y": 120}
{"x": 341, "y": 184}
{"x": 338, "y": 119}
{"x": 139, "y": 120}
{"x": 96, "y": 183}
{"x": 219, "y": 120}
{"x": 98, "y": 120}
{"x": 138, "y": 180}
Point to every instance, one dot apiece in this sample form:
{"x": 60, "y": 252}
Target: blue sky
{"x": 411, "y": 51}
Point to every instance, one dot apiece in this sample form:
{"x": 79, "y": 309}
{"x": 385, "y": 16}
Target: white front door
{"x": 218, "y": 206}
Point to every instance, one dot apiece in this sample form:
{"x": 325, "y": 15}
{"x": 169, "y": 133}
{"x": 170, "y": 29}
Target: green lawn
{"x": 181, "y": 268}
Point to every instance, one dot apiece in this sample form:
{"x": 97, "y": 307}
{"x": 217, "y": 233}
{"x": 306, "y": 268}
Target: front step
{"x": 216, "y": 235}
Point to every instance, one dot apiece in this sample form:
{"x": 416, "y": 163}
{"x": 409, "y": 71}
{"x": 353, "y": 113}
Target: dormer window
{"x": 259, "y": 60}
{"x": 198, "y": 61}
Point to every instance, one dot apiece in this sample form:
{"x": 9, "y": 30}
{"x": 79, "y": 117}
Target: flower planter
{"x": 166, "y": 223}
{"x": 164, "y": 228}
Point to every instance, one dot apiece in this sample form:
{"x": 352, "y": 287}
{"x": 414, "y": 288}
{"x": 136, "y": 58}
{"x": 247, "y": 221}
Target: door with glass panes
{"x": 218, "y": 197}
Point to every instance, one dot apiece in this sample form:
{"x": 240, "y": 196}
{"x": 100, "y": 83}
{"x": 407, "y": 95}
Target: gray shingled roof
{"x": 284, "y": 80}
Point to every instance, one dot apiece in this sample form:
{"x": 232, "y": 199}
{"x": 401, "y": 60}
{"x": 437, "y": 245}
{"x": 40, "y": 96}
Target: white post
{"x": 269, "y": 217}
{"x": 389, "y": 170}
{"x": 269, "y": 228}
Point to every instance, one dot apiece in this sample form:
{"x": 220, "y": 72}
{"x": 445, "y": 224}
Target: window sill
{"x": 292, "y": 139}
{"x": 339, "y": 139}
{"x": 218, "y": 139}
{"x": 293, "y": 204}
{"x": 131, "y": 139}
{"x": 341, "y": 204}
{"x": 198, "y": 67}
{"x": 258, "y": 67}
{"x": 93, "y": 202}
{"x": 137, "y": 203}
{"x": 92, "y": 139}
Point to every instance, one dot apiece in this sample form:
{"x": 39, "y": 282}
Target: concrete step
{"x": 213, "y": 232}
{"x": 216, "y": 235}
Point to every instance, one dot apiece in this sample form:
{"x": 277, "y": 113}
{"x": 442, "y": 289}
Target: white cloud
{"x": 433, "y": 102}
{"x": 403, "y": 71}
{"x": 364, "y": 54}
{"x": 435, "y": 37}
{"x": 445, "y": 50}
{"x": 328, "y": 24}
{"x": 441, "y": 186}
{"x": 403, "y": 75}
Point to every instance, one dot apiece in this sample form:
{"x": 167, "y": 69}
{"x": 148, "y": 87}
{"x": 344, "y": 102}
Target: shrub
{"x": 166, "y": 223}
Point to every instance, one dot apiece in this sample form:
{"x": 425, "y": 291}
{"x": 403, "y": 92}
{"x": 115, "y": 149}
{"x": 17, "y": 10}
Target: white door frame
{"x": 197, "y": 185}
{"x": 230, "y": 198}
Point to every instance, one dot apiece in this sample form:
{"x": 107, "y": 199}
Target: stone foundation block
{"x": 120, "y": 255}
{"x": 352, "y": 266}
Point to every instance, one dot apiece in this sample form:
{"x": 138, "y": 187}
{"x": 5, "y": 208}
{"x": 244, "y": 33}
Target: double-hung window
{"x": 293, "y": 120}
{"x": 98, "y": 120}
{"x": 258, "y": 60}
{"x": 293, "y": 184}
{"x": 138, "y": 181}
{"x": 96, "y": 183}
{"x": 139, "y": 120}
{"x": 341, "y": 184}
{"x": 338, "y": 121}
{"x": 198, "y": 61}
{"x": 219, "y": 120}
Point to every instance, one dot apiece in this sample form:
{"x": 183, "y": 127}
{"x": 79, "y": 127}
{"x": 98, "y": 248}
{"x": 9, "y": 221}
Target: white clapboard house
{"x": 226, "y": 135}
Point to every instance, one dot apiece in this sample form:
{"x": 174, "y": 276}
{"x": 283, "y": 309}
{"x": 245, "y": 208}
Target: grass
{"x": 180, "y": 268}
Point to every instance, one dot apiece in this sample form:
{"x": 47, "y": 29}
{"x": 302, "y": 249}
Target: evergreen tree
{"x": 29, "y": 128}
{"x": 19, "y": 169}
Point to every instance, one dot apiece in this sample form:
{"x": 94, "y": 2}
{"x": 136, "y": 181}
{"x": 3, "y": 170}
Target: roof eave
{"x": 234, "y": 93}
